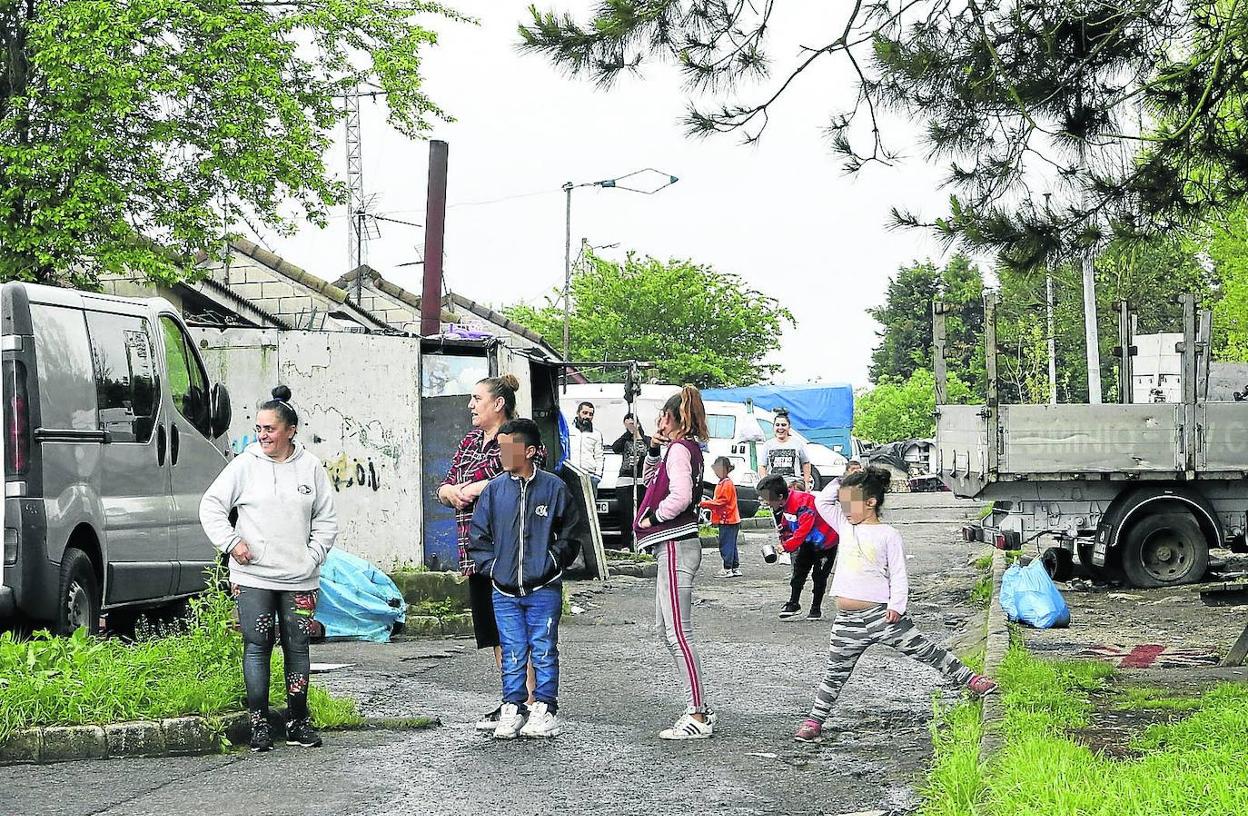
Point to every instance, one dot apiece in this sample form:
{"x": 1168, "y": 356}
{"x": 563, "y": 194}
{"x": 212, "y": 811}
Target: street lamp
{"x": 647, "y": 182}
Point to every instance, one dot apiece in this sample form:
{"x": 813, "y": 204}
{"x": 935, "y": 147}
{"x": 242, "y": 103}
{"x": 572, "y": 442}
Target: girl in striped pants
{"x": 871, "y": 590}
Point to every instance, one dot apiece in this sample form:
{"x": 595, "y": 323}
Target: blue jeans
{"x": 728, "y": 545}
{"x": 528, "y": 630}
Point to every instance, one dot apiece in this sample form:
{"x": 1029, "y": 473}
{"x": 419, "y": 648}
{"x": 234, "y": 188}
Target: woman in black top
{"x": 632, "y": 446}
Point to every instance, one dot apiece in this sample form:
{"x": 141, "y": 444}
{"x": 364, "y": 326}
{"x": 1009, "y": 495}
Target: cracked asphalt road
{"x": 618, "y": 690}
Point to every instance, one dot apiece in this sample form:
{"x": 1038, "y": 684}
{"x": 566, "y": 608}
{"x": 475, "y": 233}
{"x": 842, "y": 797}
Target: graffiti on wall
{"x": 346, "y": 472}
{"x": 240, "y": 443}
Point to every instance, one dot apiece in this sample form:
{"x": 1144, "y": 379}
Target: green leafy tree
{"x": 903, "y": 409}
{"x": 1149, "y": 275}
{"x": 133, "y": 134}
{"x": 697, "y": 325}
{"x": 1064, "y": 124}
{"x": 906, "y": 317}
{"x": 1224, "y": 245}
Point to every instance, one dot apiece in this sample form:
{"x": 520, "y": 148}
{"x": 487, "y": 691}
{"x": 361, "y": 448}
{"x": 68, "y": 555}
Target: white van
{"x": 112, "y": 432}
{"x": 610, "y": 409}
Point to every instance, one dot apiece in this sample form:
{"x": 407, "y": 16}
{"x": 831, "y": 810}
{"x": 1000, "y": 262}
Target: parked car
{"x": 112, "y": 432}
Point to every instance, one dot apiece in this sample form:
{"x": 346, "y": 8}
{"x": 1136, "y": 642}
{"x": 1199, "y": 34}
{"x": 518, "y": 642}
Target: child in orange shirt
{"x": 724, "y": 514}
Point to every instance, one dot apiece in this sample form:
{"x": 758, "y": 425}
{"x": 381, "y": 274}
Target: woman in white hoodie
{"x": 286, "y": 527}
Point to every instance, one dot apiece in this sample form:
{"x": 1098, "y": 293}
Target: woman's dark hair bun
{"x": 281, "y": 393}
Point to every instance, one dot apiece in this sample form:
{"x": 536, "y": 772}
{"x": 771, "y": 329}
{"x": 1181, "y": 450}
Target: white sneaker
{"x": 736, "y": 573}
{"x": 489, "y": 722}
{"x": 687, "y": 728}
{"x": 542, "y": 723}
{"x": 724, "y": 573}
{"x": 510, "y": 722}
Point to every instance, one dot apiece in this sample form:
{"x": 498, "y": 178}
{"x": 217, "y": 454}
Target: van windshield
{"x": 769, "y": 430}
{"x": 722, "y": 426}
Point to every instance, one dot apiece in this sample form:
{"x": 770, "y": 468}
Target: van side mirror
{"x": 220, "y": 411}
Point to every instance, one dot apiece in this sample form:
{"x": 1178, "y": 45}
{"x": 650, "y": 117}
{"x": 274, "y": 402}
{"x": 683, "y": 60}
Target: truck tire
{"x": 1112, "y": 571}
{"x": 78, "y": 603}
{"x": 1165, "y": 549}
{"x": 1059, "y": 563}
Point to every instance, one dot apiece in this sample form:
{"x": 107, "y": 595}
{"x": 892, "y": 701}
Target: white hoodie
{"x": 285, "y": 514}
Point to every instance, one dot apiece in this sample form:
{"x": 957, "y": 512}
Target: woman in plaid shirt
{"x": 478, "y": 460}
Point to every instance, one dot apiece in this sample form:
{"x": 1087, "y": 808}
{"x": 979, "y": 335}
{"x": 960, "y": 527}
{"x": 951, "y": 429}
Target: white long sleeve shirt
{"x": 586, "y": 450}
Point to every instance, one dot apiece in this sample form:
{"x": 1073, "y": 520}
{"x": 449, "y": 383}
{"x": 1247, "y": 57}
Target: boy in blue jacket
{"x": 523, "y": 536}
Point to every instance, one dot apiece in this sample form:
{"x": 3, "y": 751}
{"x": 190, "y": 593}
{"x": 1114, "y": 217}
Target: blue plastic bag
{"x": 1029, "y": 596}
{"x": 358, "y": 601}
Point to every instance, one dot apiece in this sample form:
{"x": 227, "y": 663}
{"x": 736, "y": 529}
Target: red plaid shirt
{"x": 476, "y": 460}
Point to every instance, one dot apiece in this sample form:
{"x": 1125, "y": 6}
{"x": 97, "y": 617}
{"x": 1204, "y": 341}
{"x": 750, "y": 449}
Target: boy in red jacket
{"x": 725, "y": 516}
{"x": 804, "y": 533}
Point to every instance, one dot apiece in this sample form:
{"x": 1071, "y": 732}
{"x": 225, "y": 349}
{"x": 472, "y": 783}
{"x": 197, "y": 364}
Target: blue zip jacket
{"x": 524, "y": 534}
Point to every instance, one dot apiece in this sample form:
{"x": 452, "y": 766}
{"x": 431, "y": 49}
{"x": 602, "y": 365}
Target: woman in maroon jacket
{"x": 667, "y": 523}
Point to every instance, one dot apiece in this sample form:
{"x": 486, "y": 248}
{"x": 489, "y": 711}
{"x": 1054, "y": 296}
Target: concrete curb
{"x": 998, "y": 644}
{"x": 634, "y": 570}
{"x": 429, "y": 626}
{"x": 174, "y": 736}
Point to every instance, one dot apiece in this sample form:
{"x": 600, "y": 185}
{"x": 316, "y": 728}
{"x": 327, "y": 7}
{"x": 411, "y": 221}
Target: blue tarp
{"x": 358, "y": 601}
{"x": 822, "y": 413}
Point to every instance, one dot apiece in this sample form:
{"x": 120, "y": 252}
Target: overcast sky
{"x": 781, "y": 213}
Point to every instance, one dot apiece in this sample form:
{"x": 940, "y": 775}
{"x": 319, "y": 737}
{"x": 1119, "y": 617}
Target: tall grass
{"x": 1194, "y": 766}
{"x": 196, "y": 669}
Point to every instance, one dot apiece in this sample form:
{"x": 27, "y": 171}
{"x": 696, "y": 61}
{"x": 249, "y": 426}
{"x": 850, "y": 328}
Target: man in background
{"x": 585, "y": 444}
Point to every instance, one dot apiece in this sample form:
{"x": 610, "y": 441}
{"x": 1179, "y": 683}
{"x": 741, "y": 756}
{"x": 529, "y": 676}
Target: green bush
{"x": 195, "y": 670}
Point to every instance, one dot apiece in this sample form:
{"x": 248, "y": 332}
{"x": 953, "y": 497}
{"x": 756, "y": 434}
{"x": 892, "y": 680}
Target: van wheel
{"x": 1165, "y": 549}
{"x": 78, "y": 604}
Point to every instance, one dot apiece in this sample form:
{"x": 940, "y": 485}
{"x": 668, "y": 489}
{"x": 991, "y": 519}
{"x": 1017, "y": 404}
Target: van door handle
{"x": 174, "y": 439}
{"x": 161, "y": 443}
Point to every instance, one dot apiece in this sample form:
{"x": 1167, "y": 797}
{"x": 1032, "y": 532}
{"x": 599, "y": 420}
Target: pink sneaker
{"x": 981, "y": 686}
{"x": 809, "y": 731}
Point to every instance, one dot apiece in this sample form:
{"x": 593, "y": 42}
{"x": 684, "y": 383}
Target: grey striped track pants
{"x": 854, "y": 631}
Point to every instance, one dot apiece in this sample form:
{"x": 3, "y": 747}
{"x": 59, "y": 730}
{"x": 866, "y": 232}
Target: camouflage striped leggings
{"x": 854, "y": 631}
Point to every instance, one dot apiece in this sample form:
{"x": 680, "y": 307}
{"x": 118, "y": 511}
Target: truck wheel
{"x": 1165, "y": 549}
{"x": 1059, "y": 563}
{"x": 78, "y": 604}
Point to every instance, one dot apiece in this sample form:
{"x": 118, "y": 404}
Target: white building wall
{"x": 358, "y": 398}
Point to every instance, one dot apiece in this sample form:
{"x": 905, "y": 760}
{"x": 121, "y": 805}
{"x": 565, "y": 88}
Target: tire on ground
{"x": 1059, "y": 563}
{"x": 78, "y": 601}
{"x": 1165, "y": 549}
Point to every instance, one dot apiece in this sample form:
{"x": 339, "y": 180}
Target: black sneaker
{"x": 790, "y": 610}
{"x": 814, "y": 614}
{"x": 301, "y": 733}
{"x": 489, "y": 722}
{"x": 261, "y": 736}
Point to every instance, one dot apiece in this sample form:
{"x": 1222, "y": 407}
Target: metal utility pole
{"x": 355, "y": 181}
{"x": 939, "y": 310}
{"x": 435, "y": 230}
{"x": 1051, "y": 331}
{"x": 567, "y": 278}
{"x": 1091, "y": 334}
{"x": 633, "y": 182}
{"x": 359, "y": 254}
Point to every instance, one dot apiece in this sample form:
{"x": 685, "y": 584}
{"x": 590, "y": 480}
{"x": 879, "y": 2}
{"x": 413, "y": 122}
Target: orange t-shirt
{"x": 724, "y": 506}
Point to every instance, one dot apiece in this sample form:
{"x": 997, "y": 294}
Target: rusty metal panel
{"x": 1091, "y": 438}
{"x": 1223, "y": 436}
{"x": 445, "y": 420}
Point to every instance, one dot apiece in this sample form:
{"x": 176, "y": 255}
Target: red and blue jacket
{"x": 799, "y": 523}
